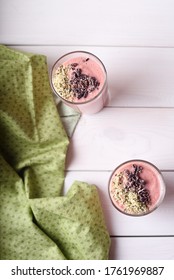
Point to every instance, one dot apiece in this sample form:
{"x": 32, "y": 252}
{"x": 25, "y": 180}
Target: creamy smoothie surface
{"x": 136, "y": 187}
{"x": 79, "y": 79}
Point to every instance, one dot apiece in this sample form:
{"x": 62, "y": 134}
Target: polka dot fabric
{"x": 36, "y": 221}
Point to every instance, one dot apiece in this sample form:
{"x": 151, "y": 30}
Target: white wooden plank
{"x": 142, "y": 248}
{"x": 104, "y": 140}
{"x": 159, "y": 222}
{"x": 136, "y": 76}
{"x": 105, "y": 22}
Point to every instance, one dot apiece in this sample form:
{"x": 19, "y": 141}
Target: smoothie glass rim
{"x": 87, "y": 101}
{"x": 162, "y": 191}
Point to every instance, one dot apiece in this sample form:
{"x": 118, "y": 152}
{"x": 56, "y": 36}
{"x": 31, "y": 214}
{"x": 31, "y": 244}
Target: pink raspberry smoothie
{"x": 136, "y": 187}
{"x": 79, "y": 79}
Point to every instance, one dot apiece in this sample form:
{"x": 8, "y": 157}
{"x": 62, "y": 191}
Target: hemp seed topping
{"x": 61, "y": 82}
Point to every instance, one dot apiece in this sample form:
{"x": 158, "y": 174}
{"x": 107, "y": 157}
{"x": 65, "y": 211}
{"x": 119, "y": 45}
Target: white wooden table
{"x": 135, "y": 40}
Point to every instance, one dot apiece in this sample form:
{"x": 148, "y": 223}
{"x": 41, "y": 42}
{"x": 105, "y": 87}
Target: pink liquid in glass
{"x": 136, "y": 187}
{"x": 79, "y": 79}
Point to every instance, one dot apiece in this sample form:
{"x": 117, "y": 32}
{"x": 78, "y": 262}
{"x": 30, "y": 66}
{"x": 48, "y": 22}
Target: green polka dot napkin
{"x": 36, "y": 220}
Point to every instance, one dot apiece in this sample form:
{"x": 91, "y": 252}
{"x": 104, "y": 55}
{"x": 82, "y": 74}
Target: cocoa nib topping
{"x": 82, "y": 84}
{"x": 137, "y": 185}
{"x": 74, "y": 65}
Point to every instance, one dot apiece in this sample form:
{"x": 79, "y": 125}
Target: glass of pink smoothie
{"x": 136, "y": 187}
{"x": 79, "y": 79}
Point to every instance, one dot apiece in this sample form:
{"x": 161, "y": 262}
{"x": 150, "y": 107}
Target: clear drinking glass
{"x": 136, "y": 187}
{"x": 93, "y": 67}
